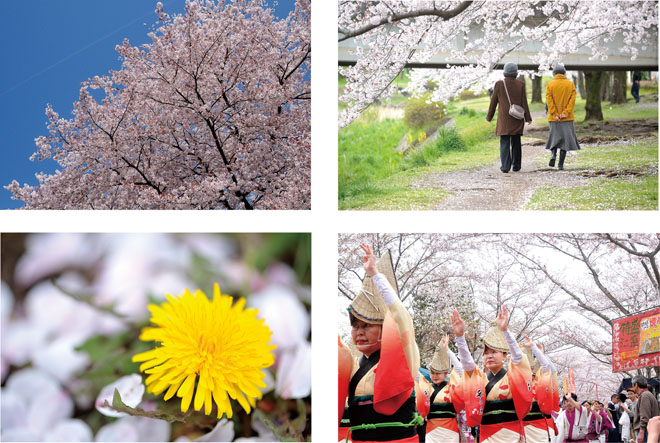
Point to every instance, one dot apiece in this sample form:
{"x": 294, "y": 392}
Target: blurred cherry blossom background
{"x": 73, "y": 306}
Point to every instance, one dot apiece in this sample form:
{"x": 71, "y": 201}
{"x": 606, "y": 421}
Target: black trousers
{"x": 510, "y": 152}
{"x": 634, "y": 91}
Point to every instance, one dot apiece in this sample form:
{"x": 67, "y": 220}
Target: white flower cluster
{"x": 560, "y": 27}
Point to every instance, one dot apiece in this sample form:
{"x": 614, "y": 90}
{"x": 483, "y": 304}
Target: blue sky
{"x": 48, "y": 47}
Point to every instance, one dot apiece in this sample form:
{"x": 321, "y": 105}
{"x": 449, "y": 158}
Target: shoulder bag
{"x": 515, "y": 111}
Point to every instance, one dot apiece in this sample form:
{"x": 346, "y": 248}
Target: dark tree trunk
{"x": 580, "y": 84}
{"x": 605, "y": 86}
{"x": 593, "y": 80}
{"x": 537, "y": 89}
{"x": 619, "y": 88}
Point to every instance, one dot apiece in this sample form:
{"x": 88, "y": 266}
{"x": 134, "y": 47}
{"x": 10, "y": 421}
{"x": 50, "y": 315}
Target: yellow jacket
{"x": 560, "y": 96}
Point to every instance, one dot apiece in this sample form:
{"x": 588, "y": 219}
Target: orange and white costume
{"x": 507, "y": 393}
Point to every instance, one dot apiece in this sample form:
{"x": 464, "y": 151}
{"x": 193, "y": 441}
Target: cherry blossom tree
{"x": 213, "y": 113}
{"x": 601, "y": 276}
{"x": 391, "y": 33}
{"x": 563, "y": 290}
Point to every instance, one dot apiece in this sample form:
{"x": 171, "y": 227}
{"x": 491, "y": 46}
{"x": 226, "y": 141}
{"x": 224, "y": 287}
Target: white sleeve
{"x": 464, "y": 354}
{"x": 540, "y": 356}
{"x": 516, "y": 353}
{"x": 455, "y": 362}
{"x": 385, "y": 289}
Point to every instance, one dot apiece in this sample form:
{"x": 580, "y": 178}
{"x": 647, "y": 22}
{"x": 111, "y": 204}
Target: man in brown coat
{"x": 647, "y": 408}
{"x": 506, "y": 92}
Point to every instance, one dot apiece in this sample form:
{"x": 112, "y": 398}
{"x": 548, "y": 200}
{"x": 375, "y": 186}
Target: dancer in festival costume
{"x": 441, "y": 425}
{"x": 508, "y": 392}
{"x": 539, "y": 424}
{"x": 572, "y": 421}
{"x": 381, "y": 400}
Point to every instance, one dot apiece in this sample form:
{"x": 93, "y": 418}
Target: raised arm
{"x": 463, "y": 351}
{"x": 455, "y": 362}
{"x": 540, "y": 356}
{"x": 399, "y": 313}
{"x": 502, "y": 323}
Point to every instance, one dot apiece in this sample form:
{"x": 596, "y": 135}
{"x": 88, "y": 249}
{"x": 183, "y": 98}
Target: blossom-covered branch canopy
{"x": 213, "y": 113}
{"x": 391, "y": 33}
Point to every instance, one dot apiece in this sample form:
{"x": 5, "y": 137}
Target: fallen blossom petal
{"x": 131, "y": 390}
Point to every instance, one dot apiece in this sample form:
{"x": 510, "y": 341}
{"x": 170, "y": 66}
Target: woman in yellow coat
{"x": 560, "y": 97}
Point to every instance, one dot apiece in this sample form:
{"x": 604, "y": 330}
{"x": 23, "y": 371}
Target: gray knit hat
{"x": 559, "y": 69}
{"x": 511, "y": 69}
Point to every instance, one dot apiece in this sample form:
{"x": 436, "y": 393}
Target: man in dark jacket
{"x": 615, "y": 434}
{"x": 507, "y": 92}
{"x": 634, "y": 91}
{"x": 646, "y": 409}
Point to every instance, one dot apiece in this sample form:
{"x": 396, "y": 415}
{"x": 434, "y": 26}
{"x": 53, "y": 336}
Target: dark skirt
{"x": 562, "y": 136}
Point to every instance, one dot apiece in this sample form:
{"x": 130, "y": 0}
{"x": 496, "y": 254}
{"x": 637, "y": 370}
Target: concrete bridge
{"x": 647, "y": 60}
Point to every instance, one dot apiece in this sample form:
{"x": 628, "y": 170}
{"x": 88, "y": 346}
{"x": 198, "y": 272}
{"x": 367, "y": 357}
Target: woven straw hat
{"x": 368, "y": 305}
{"x": 494, "y": 339}
{"x": 440, "y": 362}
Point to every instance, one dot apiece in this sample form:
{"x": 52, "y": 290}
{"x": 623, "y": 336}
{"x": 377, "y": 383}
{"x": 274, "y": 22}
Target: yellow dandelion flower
{"x": 221, "y": 346}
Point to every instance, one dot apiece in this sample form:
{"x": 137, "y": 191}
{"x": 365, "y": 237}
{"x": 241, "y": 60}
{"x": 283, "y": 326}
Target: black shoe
{"x": 560, "y": 167}
{"x": 505, "y": 171}
{"x": 552, "y": 162}
{"x": 516, "y": 169}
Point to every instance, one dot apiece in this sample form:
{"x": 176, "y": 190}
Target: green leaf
{"x": 116, "y": 400}
{"x": 119, "y": 406}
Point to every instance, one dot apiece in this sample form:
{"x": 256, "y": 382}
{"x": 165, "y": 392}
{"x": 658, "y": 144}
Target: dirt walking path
{"x": 488, "y": 188}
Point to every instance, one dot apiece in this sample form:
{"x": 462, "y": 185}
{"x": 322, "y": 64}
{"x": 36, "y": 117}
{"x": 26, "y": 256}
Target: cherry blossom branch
{"x": 396, "y": 17}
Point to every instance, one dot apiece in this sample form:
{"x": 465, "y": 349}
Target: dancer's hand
{"x": 369, "y": 260}
{"x": 457, "y": 323}
{"x": 445, "y": 342}
{"x": 528, "y": 342}
{"x": 503, "y": 319}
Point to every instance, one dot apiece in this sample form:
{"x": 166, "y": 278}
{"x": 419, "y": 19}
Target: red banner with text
{"x": 636, "y": 341}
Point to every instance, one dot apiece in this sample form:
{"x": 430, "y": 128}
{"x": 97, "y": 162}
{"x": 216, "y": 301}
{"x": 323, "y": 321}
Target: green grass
{"x": 367, "y": 154}
{"x": 398, "y": 198}
{"x": 373, "y": 176}
{"x": 640, "y": 155}
{"x": 447, "y": 141}
{"x": 396, "y": 192}
{"x": 619, "y": 193}
{"x": 365, "y": 185}
{"x": 639, "y": 193}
